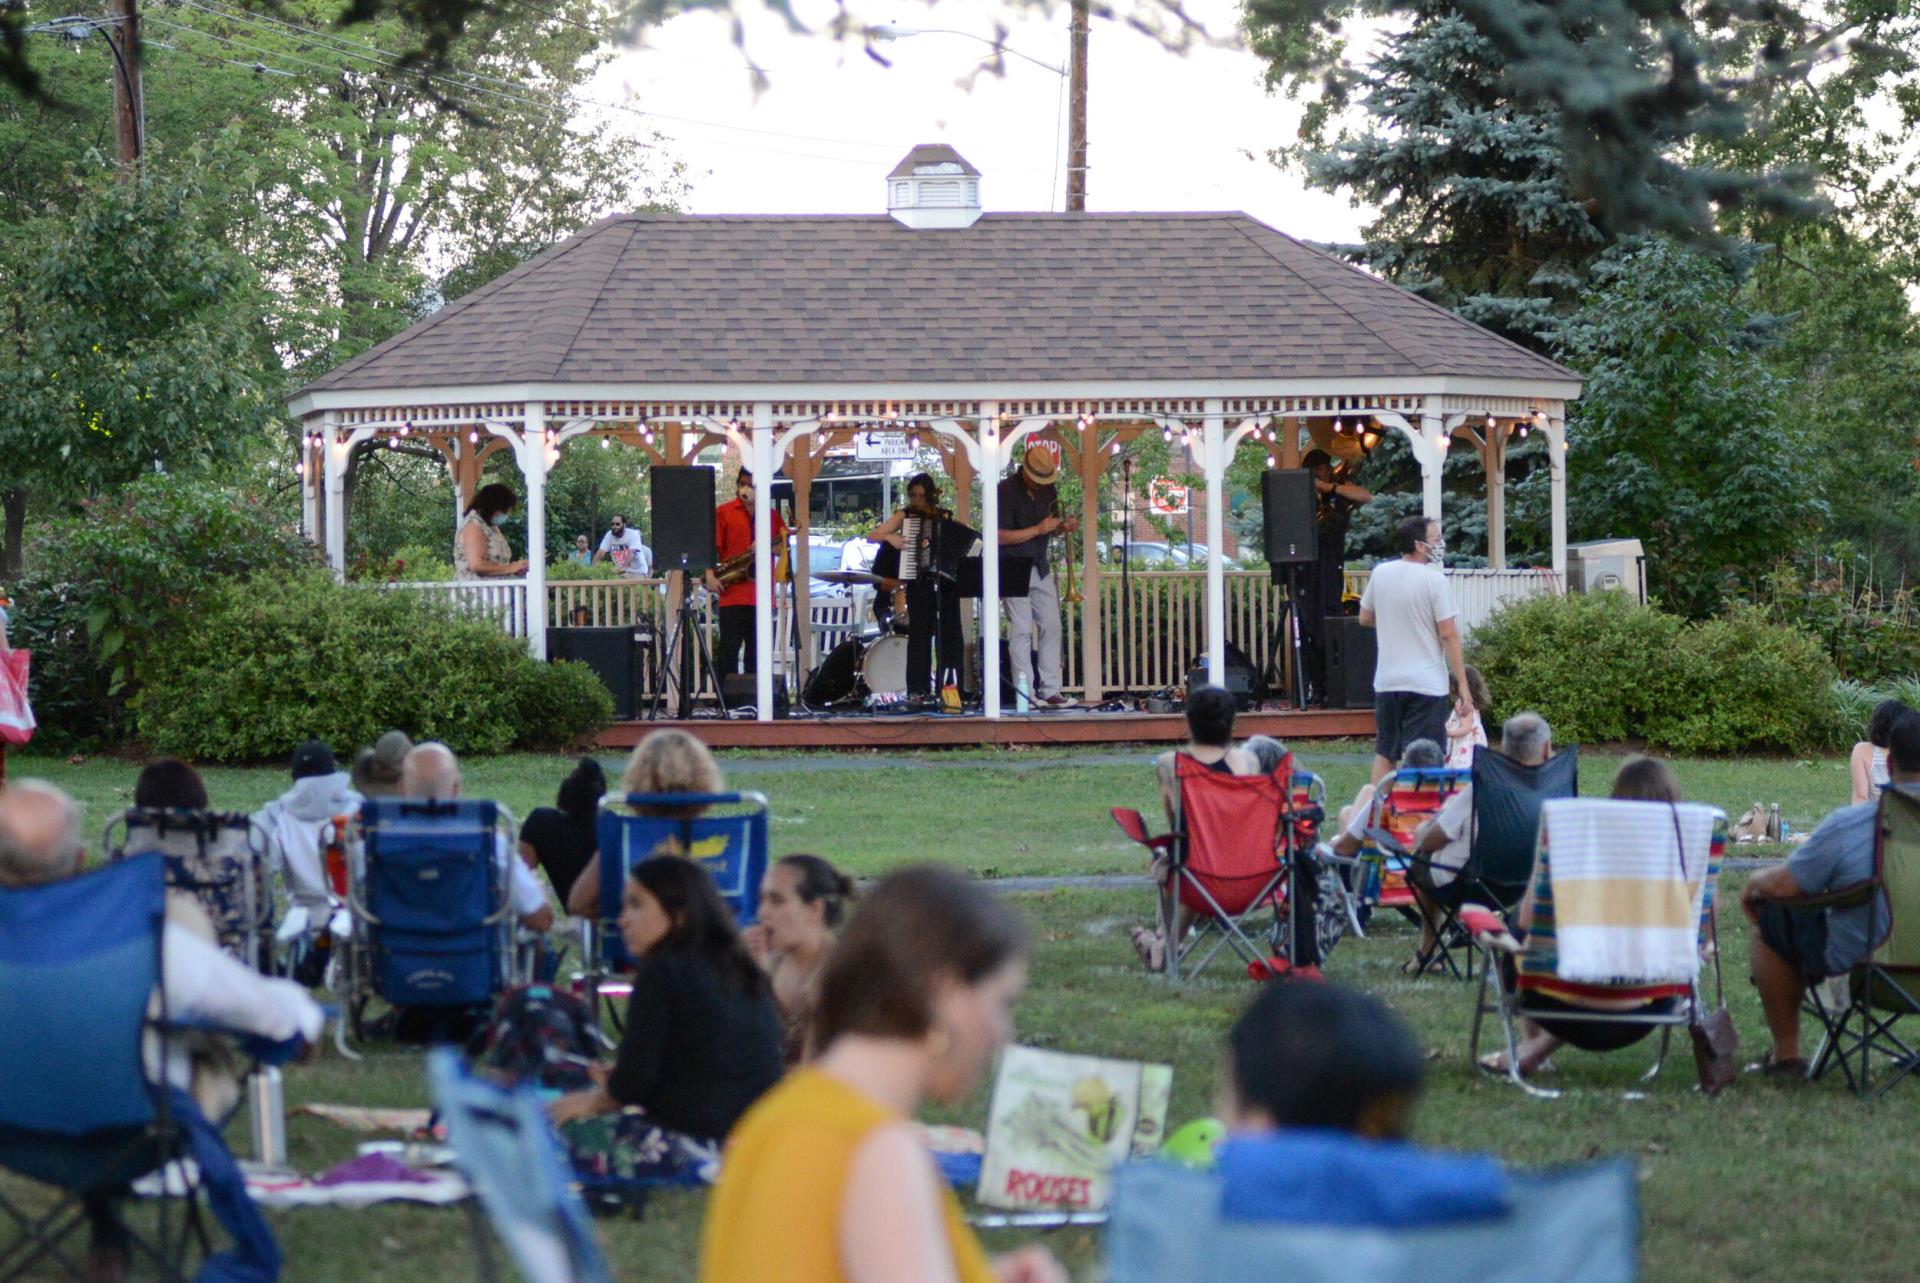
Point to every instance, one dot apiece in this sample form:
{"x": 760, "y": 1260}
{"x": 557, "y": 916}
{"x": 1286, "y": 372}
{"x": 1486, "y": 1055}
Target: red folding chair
{"x": 1229, "y": 856}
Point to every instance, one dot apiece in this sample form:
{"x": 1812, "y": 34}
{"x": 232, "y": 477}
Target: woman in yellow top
{"x": 825, "y": 1180}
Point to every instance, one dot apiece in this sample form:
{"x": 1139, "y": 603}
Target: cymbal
{"x": 849, "y": 577}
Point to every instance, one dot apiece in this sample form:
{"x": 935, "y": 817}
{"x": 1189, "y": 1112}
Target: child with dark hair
{"x": 561, "y": 839}
{"x": 702, "y": 1036}
{"x": 167, "y": 783}
{"x": 1321, "y": 1085}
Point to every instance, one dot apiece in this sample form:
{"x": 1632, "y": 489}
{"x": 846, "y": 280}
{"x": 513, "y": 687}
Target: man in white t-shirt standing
{"x": 622, "y": 543}
{"x": 1408, "y": 606}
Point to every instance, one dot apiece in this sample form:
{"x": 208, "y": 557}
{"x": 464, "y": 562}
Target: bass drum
{"x": 837, "y": 677}
{"x": 883, "y": 669}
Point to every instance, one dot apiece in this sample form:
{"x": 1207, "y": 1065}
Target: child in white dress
{"x": 1464, "y": 733}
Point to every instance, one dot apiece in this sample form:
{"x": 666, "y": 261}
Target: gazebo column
{"x": 1557, "y": 475}
{"x": 1431, "y": 454}
{"x": 991, "y": 466}
{"x": 803, "y": 465}
{"x": 313, "y": 483}
{"x": 334, "y": 455}
{"x": 1290, "y": 443}
{"x": 1213, "y": 462}
{"x": 1493, "y": 458}
{"x": 535, "y": 459}
{"x": 760, "y": 460}
{"x": 1092, "y": 466}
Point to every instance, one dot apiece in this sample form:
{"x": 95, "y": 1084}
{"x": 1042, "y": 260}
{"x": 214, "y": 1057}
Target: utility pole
{"x": 129, "y": 110}
{"x": 1076, "y": 108}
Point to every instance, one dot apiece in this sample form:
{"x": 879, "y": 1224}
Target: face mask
{"x": 1437, "y": 551}
{"x": 499, "y": 518}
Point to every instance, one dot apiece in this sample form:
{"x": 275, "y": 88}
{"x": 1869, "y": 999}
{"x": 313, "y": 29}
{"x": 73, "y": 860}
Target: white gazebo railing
{"x": 1148, "y": 645}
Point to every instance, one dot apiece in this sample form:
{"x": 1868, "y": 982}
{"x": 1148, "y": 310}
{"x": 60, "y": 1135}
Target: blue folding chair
{"x": 1572, "y": 1225}
{"x": 432, "y": 907}
{"x": 220, "y": 858}
{"x": 730, "y": 845}
{"x": 505, "y": 1147}
{"x": 79, "y": 961}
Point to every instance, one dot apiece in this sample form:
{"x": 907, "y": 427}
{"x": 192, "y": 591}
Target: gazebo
{"x": 782, "y": 336}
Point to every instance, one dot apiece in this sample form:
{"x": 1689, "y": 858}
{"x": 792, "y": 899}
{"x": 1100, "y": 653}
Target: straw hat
{"x": 1039, "y": 466}
{"x": 376, "y": 773}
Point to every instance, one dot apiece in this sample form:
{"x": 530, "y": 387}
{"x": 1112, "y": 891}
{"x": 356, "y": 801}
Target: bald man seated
{"x": 40, "y": 843}
{"x": 431, "y": 773}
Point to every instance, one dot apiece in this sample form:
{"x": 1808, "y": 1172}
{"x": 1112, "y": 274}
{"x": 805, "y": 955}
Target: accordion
{"x": 932, "y": 547}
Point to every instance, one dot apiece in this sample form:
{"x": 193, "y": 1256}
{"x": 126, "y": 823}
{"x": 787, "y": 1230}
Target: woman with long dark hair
{"x": 562, "y": 838}
{"x": 702, "y": 1037}
{"x": 480, "y": 551}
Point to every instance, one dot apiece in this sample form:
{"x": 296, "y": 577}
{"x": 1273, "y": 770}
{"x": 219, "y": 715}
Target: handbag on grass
{"x": 1716, "y": 1043}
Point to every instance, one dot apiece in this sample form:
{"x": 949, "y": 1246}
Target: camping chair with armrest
{"x": 1619, "y": 928}
{"x": 222, "y": 859}
{"x": 1507, "y": 796}
{"x": 1405, "y": 799}
{"x": 728, "y": 837}
{"x": 1231, "y": 854}
{"x": 80, "y": 968}
{"x": 431, "y": 902}
{"x": 504, "y": 1145}
{"x": 1859, "y": 1028}
{"x": 1576, "y": 1224}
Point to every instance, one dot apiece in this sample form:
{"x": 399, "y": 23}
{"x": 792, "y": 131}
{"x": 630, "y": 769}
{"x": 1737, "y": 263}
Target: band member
{"x": 733, "y": 537}
{"x": 928, "y": 599}
{"x": 1324, "y": 584}
{"x": 1029, "y": 514}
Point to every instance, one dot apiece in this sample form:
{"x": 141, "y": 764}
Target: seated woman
{"x": 562, "y": 838}
{"x": 802, "y": 903}
{"x": 1868, "y": 762}
{"x": 1210, "y": 714}
{"x": 1354, "y": 816}
{"x": 827, "y": 1179}
{"x": 701, "y": 1042}
{"x": 664, "y": 762}
{"x": 1640, "y": 779}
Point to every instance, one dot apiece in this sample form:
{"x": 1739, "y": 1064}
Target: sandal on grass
{"x": 1495, "y": 1062}
{"x": 1771, "y": 1066}
{"x": 1151, "y": 948}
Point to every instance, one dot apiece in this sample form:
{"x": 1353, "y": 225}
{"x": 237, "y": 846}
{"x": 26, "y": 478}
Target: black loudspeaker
{"x": 1243, "y": 682}
{"x": 682, "y": 519}
{"x": 737, "y": 690}
{"x": 1350, "y": 659}
{"x": 613, "y": 656}
{"x": 1287, "y": 507}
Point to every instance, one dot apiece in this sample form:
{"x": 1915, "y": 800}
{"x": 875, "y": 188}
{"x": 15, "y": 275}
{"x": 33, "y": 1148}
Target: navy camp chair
{"x": 505, "y": 1147}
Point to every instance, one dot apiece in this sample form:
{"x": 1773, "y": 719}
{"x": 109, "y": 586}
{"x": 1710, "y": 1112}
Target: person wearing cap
{"x": 376, "y": 771}
{"x": 297, "y": 820}
{"x": 1325, "y": 582}
{"x": 1029, "y": 516}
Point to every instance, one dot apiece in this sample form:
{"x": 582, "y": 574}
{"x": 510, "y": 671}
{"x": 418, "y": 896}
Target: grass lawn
{"x": 1713, "y": 1171}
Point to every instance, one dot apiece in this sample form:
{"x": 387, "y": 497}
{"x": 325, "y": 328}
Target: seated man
{"x": 40, "y": 843}
{"x": 1210, "y": 714}
{"x": 431, "y": 773}
{"x": 1321, "y": 1084}
{"x": 1794, "y": 947}
{"x": 1444, "y": 842}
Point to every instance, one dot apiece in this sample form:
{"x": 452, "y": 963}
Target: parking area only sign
{"x": 879, "y": 447}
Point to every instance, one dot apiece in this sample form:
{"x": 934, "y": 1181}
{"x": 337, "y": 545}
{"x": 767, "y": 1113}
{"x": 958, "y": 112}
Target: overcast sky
{"x": 1165, "y": 131}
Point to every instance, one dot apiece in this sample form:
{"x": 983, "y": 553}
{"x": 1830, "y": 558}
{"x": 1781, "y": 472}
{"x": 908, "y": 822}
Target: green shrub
{"x": 106, "y": 592}
{"x": 1601, "y": 668}
{"x": 276, "y": 661}
{"x": 1589, "y": 663}
{"x": 564, "y": 569}
{"x": 1738, "y": 682}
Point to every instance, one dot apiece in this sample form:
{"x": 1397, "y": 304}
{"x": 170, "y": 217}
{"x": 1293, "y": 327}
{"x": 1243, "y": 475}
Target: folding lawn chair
{"x": 1405, "y": 799}
{"x": 432, "y": 907}
{"x": 728, "y": 838}
{"x": 222, "y": 859}
{"x": 1886, "y": 986}
{"x": 504, "y": 1145}
{"x": 1232, "y": 853}
{"x": 1570, "y": 1225}
{"x": 80, "y": 964}
{"x": 1506, "y": 819}
{"x": 1623, "y": 919}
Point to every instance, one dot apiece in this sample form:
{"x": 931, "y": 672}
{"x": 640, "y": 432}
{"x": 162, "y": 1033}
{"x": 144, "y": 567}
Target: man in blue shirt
{"x": 1794, "y": 945}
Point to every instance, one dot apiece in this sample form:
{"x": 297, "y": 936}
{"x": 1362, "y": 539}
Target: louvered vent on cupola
{"x": 934, "y": 187}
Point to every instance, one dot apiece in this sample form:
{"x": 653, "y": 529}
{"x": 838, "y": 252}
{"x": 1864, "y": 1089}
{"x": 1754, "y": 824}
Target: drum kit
{"x": 870, "y": 667}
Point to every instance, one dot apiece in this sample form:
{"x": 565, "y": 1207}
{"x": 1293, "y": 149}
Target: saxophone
{"x": 734, "y": 569}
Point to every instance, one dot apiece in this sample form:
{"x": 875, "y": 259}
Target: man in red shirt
{"x": 733, "y": 535}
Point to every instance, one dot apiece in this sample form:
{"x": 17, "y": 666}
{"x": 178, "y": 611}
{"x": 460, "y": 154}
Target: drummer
{"x": 926, "y": 599}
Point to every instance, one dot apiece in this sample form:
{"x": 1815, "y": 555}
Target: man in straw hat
{"x": 1029, "y": 514}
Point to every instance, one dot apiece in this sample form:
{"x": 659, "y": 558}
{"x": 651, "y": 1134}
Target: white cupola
{"x": 934, "y": 186}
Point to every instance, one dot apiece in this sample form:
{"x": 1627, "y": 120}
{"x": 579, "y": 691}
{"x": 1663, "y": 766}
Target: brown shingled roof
{"x": 932, "y": 154}
{"x": 668, "y": 298}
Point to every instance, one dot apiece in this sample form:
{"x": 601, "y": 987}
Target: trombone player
{"x": 733, "y": 580}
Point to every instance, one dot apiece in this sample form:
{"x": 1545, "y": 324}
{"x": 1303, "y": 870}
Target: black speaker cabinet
{"x": 612, "y": 654}
{"x": 1243, "y": 681}
{"x": 682, "y": 519}
{"x": 1287, "y": 507}
{"x": 739, "y": 690}
{"x": 1350, "y": 658}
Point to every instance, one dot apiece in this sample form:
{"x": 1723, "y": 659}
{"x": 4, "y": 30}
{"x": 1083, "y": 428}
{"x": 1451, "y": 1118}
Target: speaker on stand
{"x": 1287, "y": 510}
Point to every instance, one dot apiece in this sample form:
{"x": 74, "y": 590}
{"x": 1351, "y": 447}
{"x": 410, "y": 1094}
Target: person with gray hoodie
{"x": 297, "y": 821}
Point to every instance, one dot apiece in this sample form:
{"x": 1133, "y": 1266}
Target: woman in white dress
{"x": 480, "y": 551}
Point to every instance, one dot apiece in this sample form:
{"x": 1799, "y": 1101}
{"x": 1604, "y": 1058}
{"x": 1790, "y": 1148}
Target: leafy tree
{"x": 1702, "y": 462}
